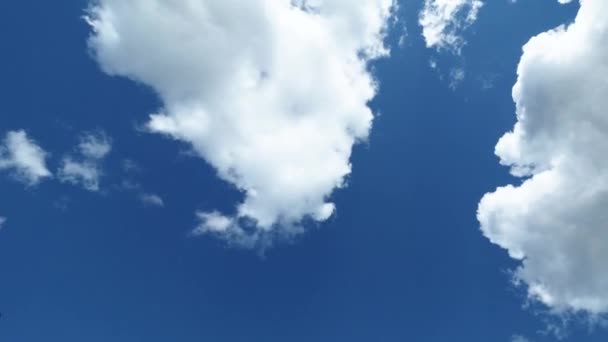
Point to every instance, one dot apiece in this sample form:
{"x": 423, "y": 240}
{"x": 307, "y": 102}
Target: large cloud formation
{"x": 443, "y": 21}
{"x": 272, "y": 93}
{"x": 556, "y": 221}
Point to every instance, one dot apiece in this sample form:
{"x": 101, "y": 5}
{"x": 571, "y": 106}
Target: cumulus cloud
{"x": 555, "y": 220}
{"x": 23, "y": 157}
{"x": 85, "y": 168}
{"x": 272, "y": 93}
{"x": 443, "y": 21}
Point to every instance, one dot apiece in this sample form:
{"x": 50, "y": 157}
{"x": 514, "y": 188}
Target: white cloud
{"x": 2, "y": 222}
{"x": 213, "y": 222}
{"x": 272, "y": 93}
{"x": 94, "y": 145}
{"x": 24, "y": 157}
{"x": 152, "y": 200}
{"x": 85, "y": 170}
{"x": 443, "y": 21}
{"x": 555, "y": 221}
{"x": 84, "y": 173}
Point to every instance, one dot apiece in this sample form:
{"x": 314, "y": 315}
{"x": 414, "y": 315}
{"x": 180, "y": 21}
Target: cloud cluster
{"x": 85, "y": 169}
{"x": 23, "y": 157}
{"x": 443, "y": 21}
{"x": 555, "y": 220}
{"x": 272, "y": 93}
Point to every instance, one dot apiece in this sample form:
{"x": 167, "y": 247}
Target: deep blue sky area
{"x": 403, "y": 259}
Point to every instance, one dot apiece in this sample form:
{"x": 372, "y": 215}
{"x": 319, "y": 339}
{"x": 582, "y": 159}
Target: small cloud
{"x": 2, "y": 222}
{"x": 443, "y": 21}
{"x": 212, "y": 222}
{"x": 456, "y": 77}
{"x": 95, "y": 145}
{"x": 62, "y": 203}
{"x": 228, "y": 229}
{"x": 130, "y": 166}
{"x": 487, "y": 81}
{"x": 400, "y": 28}
{"x": 136, "y": 189}
{"x": 243, "y": 232}
{"x": 152, "y": 200}
{"x": 23, "y": 157}
{"x": 451, "y": 77}
{"x": 84, "y": 173}
{"x": 403, "y": 39}
{"x": 129, "y": 185}
{"x": 85, "y": 170}
{"x": 519, "y": 338}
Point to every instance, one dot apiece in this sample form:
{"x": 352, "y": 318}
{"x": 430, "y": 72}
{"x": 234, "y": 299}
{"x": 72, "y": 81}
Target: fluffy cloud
{"x": 85, "y": 169}
{"x": 443, "y": 21}
{"x": 272, "y": 93}
{"x": 555, "y": 220}
{"x": 24, "y": 157}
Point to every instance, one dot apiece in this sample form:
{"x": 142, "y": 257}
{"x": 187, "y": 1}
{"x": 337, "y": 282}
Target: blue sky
{"x": 130, "y": 253}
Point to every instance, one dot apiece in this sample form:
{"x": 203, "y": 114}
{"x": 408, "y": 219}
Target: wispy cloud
{"x": 85, "y": 168}
{"x": 95, "y": 145}
{"x": 152, "y": 200}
